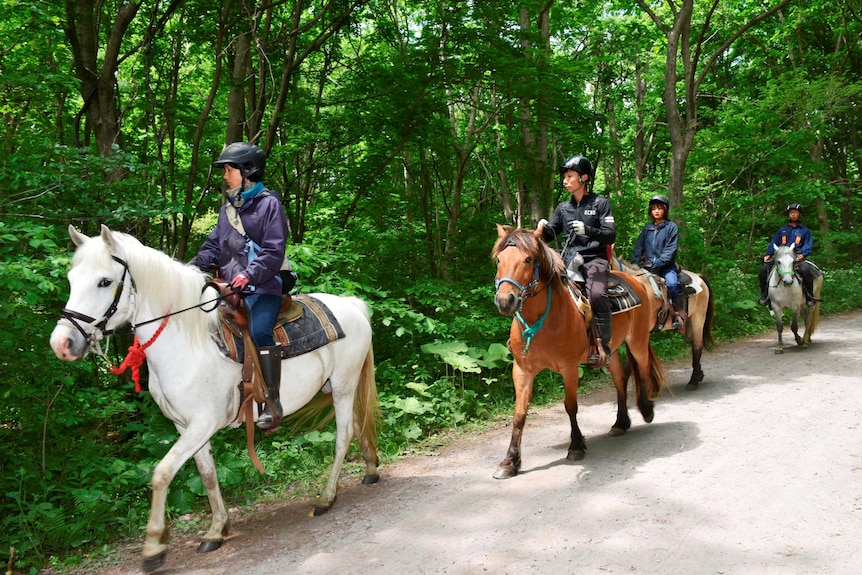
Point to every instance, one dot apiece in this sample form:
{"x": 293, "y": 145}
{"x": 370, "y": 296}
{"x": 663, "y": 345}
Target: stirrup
{"x": 595, "y": 359}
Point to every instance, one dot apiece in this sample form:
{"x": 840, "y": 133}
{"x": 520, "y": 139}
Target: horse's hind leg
{"x": 794, "y": 327}
{"x": 620, "y": 377}
{"x": 343, "y": 436}
{"x": 696, "y": 370}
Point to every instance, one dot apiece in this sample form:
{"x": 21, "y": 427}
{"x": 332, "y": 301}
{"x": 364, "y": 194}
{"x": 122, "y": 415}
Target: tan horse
{"x": 700, "y": 311}
{"x": 549, "y": 332}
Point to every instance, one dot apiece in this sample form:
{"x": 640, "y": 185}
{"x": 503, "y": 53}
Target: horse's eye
{"x": 105, "y": 282}
{"x": 529, "y": 260}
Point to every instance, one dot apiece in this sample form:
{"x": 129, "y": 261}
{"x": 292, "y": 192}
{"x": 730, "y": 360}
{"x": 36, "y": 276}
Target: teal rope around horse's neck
{"x": 531, "y": 330}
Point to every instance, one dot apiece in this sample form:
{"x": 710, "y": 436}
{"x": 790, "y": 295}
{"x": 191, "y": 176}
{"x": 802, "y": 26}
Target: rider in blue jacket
{"x": 247, "y": 245}
{"x": 656, "y": 249}
{"x": 796, "y": 234}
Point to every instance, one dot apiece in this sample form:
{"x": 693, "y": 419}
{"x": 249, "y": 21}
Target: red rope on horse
{"x": 136, "y": 356}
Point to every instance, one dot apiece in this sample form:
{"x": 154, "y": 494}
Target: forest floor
{"x": 757, "y": 471}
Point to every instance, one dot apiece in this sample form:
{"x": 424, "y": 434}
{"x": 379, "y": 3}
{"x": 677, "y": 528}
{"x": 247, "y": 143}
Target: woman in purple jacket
{"x": 247, "y": 245}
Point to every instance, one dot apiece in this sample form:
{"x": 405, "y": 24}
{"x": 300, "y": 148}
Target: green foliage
{"x": 401, "y": 138}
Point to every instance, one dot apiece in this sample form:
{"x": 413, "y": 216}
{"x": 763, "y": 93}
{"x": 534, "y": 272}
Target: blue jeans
{"x": 262, "y": 312}
{"x": 671, "y": 280}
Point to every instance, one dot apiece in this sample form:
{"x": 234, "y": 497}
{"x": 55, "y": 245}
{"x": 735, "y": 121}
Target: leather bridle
{"x": 96, "y": 326}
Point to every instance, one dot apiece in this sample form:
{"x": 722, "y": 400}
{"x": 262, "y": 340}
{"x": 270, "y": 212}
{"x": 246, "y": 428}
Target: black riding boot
{"x": 270, "y": 367}
{"x": 603, "y": 326}
{"x": 764, "y": 289}
{"x": 678, "y": 312}
{"x": 808, "y": 289}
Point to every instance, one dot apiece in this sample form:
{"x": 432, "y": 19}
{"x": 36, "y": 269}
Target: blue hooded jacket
{"x": 658, "y": 245}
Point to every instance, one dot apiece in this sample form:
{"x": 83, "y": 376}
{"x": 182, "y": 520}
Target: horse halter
{"x": 524, "y": 292}
{"x": 97, "y": 326}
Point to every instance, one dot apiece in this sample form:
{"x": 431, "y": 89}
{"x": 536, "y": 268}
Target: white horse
{"x": 116, "y": 281}
{"x": 785, "y": 292}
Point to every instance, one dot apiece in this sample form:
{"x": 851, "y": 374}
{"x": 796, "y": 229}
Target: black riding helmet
{"x": 793, "y": 206}
{"x": 660, "y": 199}
{"x": 249, "y": 159}
{"x": 579, "y": 164}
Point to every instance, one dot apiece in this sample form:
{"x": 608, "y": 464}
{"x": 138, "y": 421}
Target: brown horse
{"x": 549, "y": 332}
{"x": 700, "y": 309}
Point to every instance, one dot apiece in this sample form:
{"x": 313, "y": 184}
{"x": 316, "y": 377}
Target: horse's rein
{"x": 98, "y": 325}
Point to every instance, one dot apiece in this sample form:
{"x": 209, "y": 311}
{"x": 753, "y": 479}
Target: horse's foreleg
{"x": 618, "y": 373}
{"x": 779, "y": 327}
{"x": 577, "y": 446}
{"x": 221, "y": 521}
{"x": 156, "y": 541}
{"x": 510, "y": 465}
{"x": 794, "y": 327}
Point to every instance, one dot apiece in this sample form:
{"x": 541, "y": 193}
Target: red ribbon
{"x": 136, "y": 356}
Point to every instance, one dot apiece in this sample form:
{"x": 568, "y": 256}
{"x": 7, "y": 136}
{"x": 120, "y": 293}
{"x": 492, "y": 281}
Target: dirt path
{"x": 758, "y": 471}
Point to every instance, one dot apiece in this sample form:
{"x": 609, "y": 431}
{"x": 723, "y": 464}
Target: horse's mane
{"x": 551, "y": 266}
{"x": 167, "y": 284}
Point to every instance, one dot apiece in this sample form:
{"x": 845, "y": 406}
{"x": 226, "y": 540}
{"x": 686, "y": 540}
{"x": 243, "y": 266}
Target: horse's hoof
{"x": 318, "y": 510}
{"x": 617, "y": 431}
{"x": 576, "y": 455}
{"x": 505, "y": 472}
{"x": 691, "y": 386}
{"x": 779, "y": 351}
{"x": 150, "y": 564}
{"x": 370, "y": 479}
{"x": 649, "y": 415}
{"x": 211, "y": 545}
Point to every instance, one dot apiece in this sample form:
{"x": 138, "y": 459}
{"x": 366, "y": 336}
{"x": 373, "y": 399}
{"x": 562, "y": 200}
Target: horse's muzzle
{"x": 507, "y": 304}
{"x": 67, "y": 343}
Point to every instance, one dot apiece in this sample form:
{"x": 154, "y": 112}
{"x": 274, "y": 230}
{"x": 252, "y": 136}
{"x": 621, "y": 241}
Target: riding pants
{"x": 262, "y": 313}
{"x": 596, "y": 274}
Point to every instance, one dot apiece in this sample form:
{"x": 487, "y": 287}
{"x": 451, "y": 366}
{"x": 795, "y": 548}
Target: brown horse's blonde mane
{"x": 551, "y": 266}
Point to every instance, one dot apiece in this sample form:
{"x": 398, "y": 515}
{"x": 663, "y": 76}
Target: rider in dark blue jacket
{"x": 656, "y": 249}
{"x": 796, "y": 234}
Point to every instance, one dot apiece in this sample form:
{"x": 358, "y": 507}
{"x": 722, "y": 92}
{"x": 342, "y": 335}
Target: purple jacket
{"x": 265, "y": 223}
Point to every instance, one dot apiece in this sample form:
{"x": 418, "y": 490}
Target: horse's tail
{"x": 366, "y": 407}
{"x": 708, "y": 340}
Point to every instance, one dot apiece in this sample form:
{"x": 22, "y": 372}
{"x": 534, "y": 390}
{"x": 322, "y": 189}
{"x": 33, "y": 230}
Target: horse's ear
{"x": 775, "y": 247}
{"x": 502, "y": 231}
{"x": 77, "y": 237}
{"x": 108, "y": 237}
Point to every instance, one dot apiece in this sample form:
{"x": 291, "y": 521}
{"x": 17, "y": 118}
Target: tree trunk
{"x": 98, "y": 84}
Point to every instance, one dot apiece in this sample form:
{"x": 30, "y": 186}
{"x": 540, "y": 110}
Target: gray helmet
{"x": 793, "y": 206}
{"x": 579, "y": 164}
{"x": 248, "y": 158}
{"x": 660, "y": 199}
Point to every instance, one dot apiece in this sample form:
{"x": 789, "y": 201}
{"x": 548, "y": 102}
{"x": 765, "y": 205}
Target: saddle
{"x": 619, "y": 292}
{"x": 304, "y": 324}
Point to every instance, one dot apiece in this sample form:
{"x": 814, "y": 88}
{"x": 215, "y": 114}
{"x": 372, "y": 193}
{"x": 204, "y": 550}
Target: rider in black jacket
{"x": 587, "y": 223}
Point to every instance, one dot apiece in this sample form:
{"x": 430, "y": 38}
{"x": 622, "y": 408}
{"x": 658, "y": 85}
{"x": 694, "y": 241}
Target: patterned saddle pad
{"x": 306, "y": 326}
{"x": 620, "y": 294}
